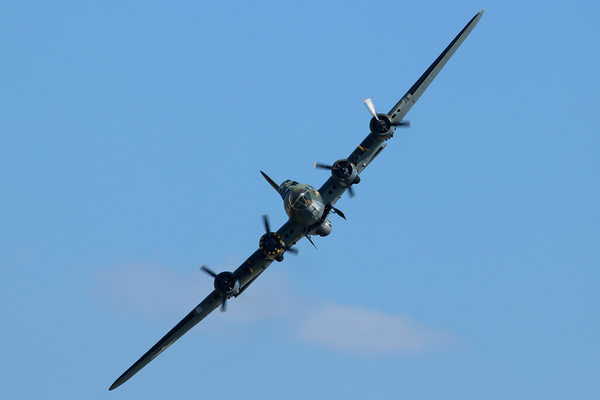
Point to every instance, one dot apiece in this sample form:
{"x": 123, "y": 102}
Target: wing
{"x": 404, "y": 105}
{"x": 208, "y": 305}
{"x": 372, "y": 146}
{"x": 246, "y": 274}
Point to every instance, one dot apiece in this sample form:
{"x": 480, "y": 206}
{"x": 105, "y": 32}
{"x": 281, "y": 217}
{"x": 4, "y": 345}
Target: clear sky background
{"x": 131, "y": 138}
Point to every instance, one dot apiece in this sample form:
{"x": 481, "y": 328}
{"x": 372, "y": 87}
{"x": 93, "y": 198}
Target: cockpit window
{"x": 300, "y": 199}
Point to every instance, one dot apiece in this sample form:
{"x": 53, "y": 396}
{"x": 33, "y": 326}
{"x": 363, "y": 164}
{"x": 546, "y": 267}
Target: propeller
{"x": 339, "y": 168}
{"x": 369, "y": 104}
{"x": 271, "y": 241}
{"x": 225, "y": 283}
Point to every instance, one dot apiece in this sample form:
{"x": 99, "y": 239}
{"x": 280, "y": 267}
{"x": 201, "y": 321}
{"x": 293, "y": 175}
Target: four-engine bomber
{"x": 308, "y": 208}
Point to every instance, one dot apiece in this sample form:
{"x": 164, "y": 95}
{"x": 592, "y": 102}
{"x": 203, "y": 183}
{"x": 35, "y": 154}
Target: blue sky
{"x": 132, "y": 135}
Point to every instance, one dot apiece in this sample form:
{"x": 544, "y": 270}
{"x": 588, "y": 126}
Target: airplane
{"x": 308, "y": 208}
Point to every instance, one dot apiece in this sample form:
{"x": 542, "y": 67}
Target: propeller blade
{"x": 292, "y": 250}
{"x": 223, "y": 308}
{"x": 402, "y": 123}
{"x": 271, "y": 182}
{"x": 324, "y": 166}
{"x": 208, "y": 271}
{"x": 266, "y": 221}
{"x": 311, "y": 242}
{"x": 338, "y": 212}
{"x": 352, "y": 194}
{"x": 371, "y": 108}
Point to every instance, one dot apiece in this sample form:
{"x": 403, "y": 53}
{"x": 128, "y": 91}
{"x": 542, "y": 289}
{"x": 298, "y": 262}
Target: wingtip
{"x": 117, "y": 383}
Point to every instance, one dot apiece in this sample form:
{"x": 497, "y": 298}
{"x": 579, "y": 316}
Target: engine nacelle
{"x": 226, "y": 284}
{"x": 271, "y": 245}
{"x": 344, "y": 172}
{"x": 383, "y": 127}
